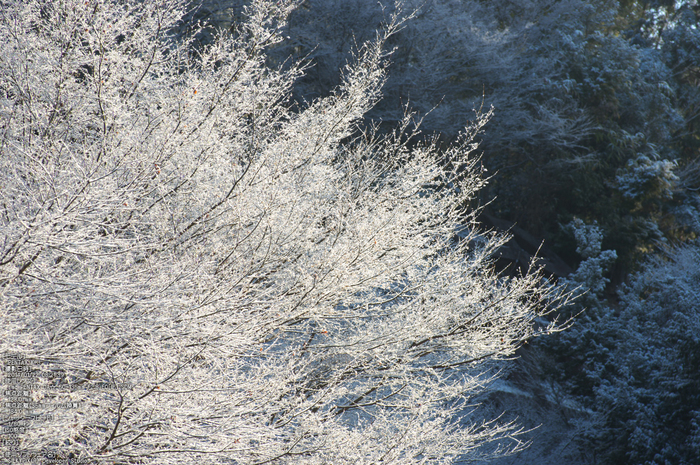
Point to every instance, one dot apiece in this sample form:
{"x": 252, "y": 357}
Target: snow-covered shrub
{"x": 216, "y": 278}
{"x": 589, "y": 277}
{"x": 645, "y": 177}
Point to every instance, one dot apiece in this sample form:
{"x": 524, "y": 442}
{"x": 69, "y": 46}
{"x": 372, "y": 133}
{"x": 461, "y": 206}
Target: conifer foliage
{"x": 216, "y": 278}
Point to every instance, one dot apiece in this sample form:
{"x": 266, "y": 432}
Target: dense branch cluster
{"x": 216, "y": 278}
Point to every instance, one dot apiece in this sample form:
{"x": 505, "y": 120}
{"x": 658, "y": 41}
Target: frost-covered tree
{"x": 650, "y": 386}
{"x": 215, "y": 278}
{"x": 636, "y": 366}
{"x": 590, "y": 274}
